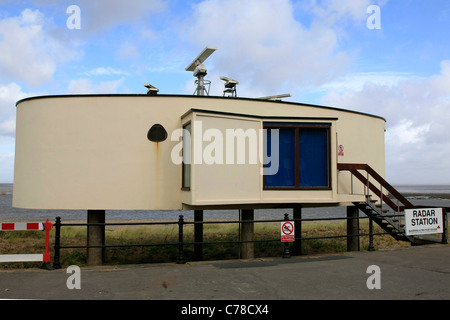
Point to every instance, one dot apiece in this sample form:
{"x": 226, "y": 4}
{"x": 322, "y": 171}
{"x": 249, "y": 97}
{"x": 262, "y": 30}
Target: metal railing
{"x": 369, "y": 186}
{"x": 181, "y": 243}
{"x": 396, "y": 202}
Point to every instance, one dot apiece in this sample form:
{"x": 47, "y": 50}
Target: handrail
{"x": 354, "y": 167}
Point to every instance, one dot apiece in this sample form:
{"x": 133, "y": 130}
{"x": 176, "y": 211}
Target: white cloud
{"x": 8, "y": 126}
{"x": 417, "y": 111}
{"x": 7, "y": 160}
{"x": 331, "y": 11}
{"x": 356, "y": 82}
{"x": 262, "y": 45}
{"x": 27, "y": 52}
{"x": 86, "y": 86}
{"x": 102, "y": 71}
{"x": 9, "y": 95}
{"x": 102, "y": 15}
{"x": 406, "y": 132}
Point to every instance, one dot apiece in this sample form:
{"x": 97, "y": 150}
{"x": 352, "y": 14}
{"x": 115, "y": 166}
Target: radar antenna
{"x": 200, "y": 71}
{"x": 152, "y": 91}
{"x": 230, "y": 86}
{"x": 276, "y": 97}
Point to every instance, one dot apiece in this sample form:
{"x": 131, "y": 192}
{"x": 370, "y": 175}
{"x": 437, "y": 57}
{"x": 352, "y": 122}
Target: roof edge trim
{"x": 195, "y": 97}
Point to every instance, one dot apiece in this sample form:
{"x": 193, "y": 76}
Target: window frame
{"x": 296, "y": 127}
{"x": 185, "y": 166}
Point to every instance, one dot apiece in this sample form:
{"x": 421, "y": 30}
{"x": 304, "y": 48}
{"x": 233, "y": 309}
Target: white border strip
{"x": 21, "y": 257}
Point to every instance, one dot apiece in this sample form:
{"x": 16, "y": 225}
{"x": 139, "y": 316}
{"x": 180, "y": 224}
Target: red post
{"x": 47, "y": 226}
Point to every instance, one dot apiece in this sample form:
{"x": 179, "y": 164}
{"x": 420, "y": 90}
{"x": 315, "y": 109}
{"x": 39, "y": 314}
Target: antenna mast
{"x": 200, "y": 71}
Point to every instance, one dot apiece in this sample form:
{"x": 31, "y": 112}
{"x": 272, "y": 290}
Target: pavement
{"x": 412, "y": 273}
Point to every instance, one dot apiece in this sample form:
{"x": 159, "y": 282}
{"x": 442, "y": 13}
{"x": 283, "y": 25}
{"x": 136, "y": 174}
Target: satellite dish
{"x": 276, "y": 97}
{"x": 200, "y": 71}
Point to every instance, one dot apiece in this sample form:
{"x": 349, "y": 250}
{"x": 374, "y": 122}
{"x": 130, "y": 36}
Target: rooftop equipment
{"x": 152, "y": 91}
{"x": 230, "y": 87}
{"x": 276, "y": 97}
{"x": 200, "y": 71}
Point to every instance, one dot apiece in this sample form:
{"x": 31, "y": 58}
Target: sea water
{"x": 424, "y": 189}
{"x": 419, "y": 195}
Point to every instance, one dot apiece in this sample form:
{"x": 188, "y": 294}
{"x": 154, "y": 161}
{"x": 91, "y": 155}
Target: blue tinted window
{"x": 307, "y": 168}
{"x": 313, "y": 157}
{"x": 285, "y": 177}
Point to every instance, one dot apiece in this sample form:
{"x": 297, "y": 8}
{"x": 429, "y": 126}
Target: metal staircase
{"x": 389, "y": 222}
{"x": 386, "y": 211}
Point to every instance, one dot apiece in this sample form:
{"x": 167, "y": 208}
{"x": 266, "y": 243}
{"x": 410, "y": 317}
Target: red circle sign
{"x": 287, "y": 228}
{"x": 341, "y": 150}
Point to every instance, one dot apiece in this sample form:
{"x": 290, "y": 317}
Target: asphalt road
{"x": 420, "y": 272}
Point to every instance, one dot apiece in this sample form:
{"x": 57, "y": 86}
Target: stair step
{"x": 380, "y": 206}
{"x": 375, "y": 209}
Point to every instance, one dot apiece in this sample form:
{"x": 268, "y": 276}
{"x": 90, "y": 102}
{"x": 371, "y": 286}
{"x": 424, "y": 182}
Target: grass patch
{"x": 167, "y": 235}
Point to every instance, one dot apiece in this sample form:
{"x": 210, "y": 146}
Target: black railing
{"x": 181, "y": 259}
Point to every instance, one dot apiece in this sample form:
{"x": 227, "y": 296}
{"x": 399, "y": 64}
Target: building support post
{"x": 96, "y": 237}
{"x": 297, "y": 250}
{"x": 198, "y": 235}
{"x": 247, "y": 233}
{"x": 352, "y": 228}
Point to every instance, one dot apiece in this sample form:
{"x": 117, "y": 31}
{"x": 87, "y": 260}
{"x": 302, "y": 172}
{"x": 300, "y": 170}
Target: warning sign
{"x": 287, "y": 231}
{"x": 423, "y": 221}
{"x": 341, "y": 150}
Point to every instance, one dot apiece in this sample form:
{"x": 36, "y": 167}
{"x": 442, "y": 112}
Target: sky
{"x": 389, "y": 58}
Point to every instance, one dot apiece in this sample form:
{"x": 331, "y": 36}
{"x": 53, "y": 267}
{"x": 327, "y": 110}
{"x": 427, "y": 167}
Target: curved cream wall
{"x": 92, "y": 152}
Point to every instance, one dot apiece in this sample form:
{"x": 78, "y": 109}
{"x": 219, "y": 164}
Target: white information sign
{"x": 287, "y": 232}
{"x": 423, "y": 221}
